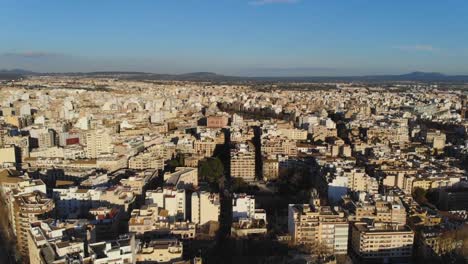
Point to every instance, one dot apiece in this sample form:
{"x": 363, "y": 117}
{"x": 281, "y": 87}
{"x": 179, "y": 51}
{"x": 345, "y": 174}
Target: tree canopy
{"x": 211, "y": 170}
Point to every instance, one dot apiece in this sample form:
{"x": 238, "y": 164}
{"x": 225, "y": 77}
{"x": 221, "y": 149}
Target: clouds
{"x": 422, "y": 48}
{"x": 268, "y": 2}
{"x": 31, "y": 54}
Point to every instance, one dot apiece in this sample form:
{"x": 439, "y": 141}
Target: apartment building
{"x": 318, "y": 226}
{"x": 205, "y": 207}
{"x": 98, "y": 142}
{"x": 56, "y": 242}
{"x": 270, "y": 168}
{"x": 146, "y": 160}
{"x": 278, "y": 146}
{"x": 382, "y": 242}
{"x": 121, "y": 250}
{"x": 204, "y": 147}
{"x": 242, "y": 164}
{"x": 28, "y": 208}
{"x": 170, "y": 199}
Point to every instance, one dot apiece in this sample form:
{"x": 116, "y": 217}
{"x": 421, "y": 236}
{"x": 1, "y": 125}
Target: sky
{"x": 236, "y": 37}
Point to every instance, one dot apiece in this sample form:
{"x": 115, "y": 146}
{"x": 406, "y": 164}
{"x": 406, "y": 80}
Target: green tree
{"x": 211, "y": 170}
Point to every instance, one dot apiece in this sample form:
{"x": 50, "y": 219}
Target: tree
{"x": 238, "y": 185}
{"x": 211, "y": 170}
{"x": 419, "y": 195}
{"x": 176, "y": 162}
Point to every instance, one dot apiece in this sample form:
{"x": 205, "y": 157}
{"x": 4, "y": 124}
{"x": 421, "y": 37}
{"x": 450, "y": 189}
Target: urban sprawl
{"x": 113, "y": 170}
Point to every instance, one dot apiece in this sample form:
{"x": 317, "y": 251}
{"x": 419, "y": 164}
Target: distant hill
{"x": 210, "y": 76}
{"x": 14, "y": 74}
{"x": 17, "y": 71}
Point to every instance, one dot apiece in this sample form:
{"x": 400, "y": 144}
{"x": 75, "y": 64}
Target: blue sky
{"x": 238, "y": 37}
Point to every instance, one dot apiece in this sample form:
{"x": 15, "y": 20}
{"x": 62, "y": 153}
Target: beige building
{"x": 163, "y": 251}
{"x": 380, "y": 211}
{"x": 382, "y": 242}
{"x": 359, "y": 181}
{"x": 28, "y": 208}
{"x": 270, "y": 168}
{"x": 293, "y": 133}
{"x": 279, "y": 146}
{"x": 98, "y": 142}
{"x": 9, "y": 155}
{"x": 204, "y": 147}
{"x": 151, "y": 218}
{"x": 318, "y": 226}
{"x": 242, "y": 163}
{"x": 183, "y": 177}
{"x": 205, "y": 207}
{"x": 146, "y": 160}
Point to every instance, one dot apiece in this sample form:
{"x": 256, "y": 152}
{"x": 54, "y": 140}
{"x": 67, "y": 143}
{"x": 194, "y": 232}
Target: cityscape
{"x": 163, "y": 161}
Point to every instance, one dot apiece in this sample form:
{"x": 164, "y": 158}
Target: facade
{"x": 279, "y": 146}
{"x": 318, "y": 226}
{"x": 9, "y": 155}
{"x": 146, "y": 160}
{"x": 218, "y": 121}
{"x": 74, "y": 202}
{"x": 270, "y": 169}
{"x": 28, "y": 208}
{"x": 382, "y": 242}
{"x": 243, "y": 206}
{"x": 205, "y": 207}
{"x": 204, "y": 147}
{"x": 98, "y": 142}
{"x": 170, "y": 199}
{"x": 242, "y": 164}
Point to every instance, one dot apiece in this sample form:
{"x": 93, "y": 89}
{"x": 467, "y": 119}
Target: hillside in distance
{"x": 210, "y": 76}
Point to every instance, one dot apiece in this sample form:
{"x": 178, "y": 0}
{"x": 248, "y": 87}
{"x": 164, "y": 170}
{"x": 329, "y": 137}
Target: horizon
{"x": 26, "y": 71}
{"x": 270, "y": 38}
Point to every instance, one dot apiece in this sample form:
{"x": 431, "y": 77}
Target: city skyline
{"x": 241, "y": 38}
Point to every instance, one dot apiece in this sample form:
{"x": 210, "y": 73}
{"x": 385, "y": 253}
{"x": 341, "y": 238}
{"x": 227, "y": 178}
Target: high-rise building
{"x": 242, "y": 163}
{"x": 47, "y": 139}
{"x": 98, "y": 142}
{"x": 28, "y": 208}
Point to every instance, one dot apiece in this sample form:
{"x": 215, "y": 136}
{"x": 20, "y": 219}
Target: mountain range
{"x": 209, "y": 76}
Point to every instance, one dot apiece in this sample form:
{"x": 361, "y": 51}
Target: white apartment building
{"x": 74, "y": 202}
{"x": 243, "y": 206}
{"x": 118, "y": 251}
{"x": 170, "y": 199}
